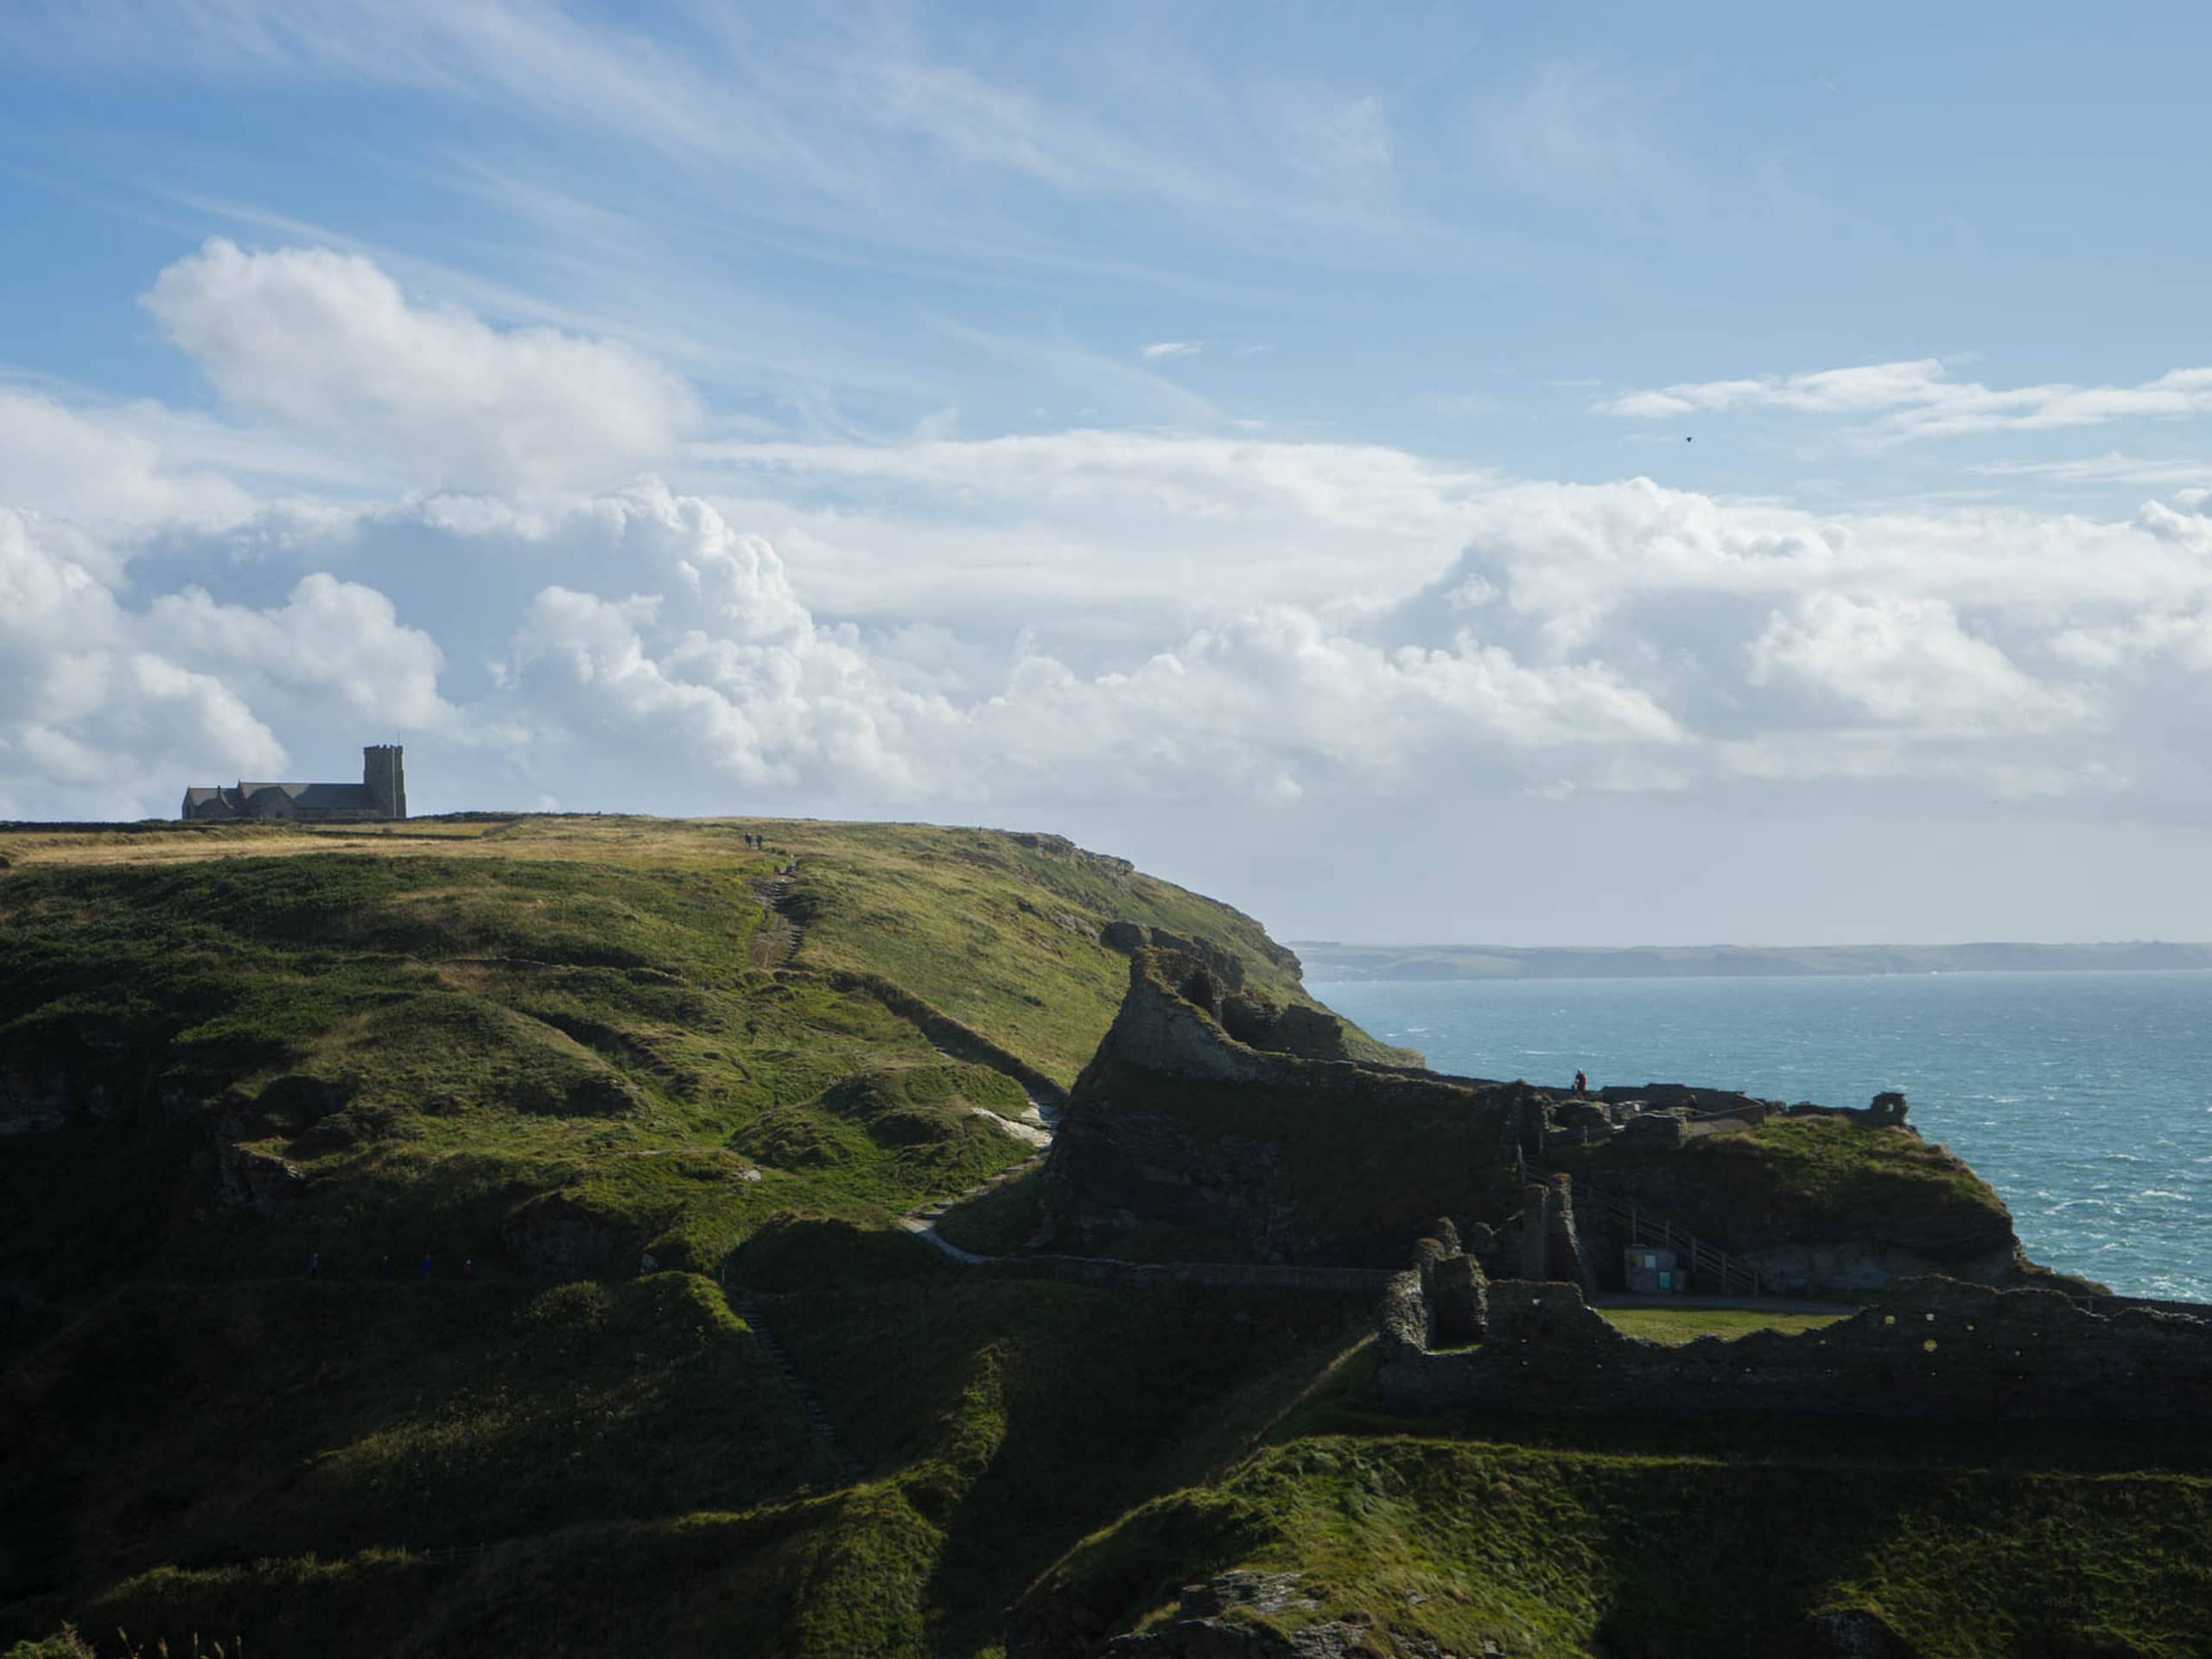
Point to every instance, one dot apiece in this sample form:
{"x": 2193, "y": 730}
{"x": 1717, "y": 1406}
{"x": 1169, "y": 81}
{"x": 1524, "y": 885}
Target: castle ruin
{"x": 380, "y": 797}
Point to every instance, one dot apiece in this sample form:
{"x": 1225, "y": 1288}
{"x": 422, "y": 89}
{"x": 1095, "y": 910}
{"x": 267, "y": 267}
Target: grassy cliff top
{"x": 641, "y": 1026}
{"x": 1613, "y": 1538}
{"x": 1835, "y": 1172}
{"x": 597, "y": 1040}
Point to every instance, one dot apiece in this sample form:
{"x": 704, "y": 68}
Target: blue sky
{"x": 1734, "y": 472}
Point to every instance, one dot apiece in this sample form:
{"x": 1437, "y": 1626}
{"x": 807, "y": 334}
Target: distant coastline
{"x": 1329, "y": 960}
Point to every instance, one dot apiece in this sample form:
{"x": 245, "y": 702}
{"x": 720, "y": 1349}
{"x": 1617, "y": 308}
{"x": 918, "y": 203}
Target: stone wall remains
{"x": 1930, "y": 1348}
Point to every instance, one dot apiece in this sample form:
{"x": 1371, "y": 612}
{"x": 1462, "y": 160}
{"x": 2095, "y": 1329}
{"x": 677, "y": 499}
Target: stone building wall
{"x": 1930, "y": 1348}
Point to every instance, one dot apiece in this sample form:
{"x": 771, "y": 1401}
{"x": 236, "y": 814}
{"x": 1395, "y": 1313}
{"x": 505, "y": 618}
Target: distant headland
{"x": 1327, "y": 960}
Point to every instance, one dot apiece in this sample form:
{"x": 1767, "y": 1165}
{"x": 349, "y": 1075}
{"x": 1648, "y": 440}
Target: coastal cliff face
{"x": 1832, "y": 1202}
{"x": 1185, "y": 1137}
{"x": 1213, "y": 1124}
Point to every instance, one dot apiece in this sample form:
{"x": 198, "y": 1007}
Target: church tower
{"x": 386, "y": 776}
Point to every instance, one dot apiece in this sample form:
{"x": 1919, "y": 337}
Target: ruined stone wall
{"x": 1930, "y": 1348}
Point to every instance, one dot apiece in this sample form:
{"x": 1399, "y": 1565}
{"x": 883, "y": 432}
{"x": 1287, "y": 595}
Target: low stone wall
{"x": 1218, "y": 1275}
{"x": 1930, "y": 1348}
{"x": 2119, "y": 1304}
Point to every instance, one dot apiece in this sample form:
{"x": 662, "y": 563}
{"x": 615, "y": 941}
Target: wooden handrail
{"x": 1642, "y": 1227}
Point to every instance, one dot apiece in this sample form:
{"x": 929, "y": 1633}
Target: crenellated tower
{"x": 384, "y": 771}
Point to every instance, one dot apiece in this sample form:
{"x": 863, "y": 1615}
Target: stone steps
{"x": 817, "y": 1418}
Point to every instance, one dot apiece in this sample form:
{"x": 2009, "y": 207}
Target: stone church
{"x": 381, "y": 795}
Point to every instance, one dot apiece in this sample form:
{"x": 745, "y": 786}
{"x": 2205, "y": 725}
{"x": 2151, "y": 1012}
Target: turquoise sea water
{"x": 2085, "y": 1099}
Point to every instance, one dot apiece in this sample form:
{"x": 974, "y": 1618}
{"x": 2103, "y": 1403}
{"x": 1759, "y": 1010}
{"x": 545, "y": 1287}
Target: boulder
{"x": 259, "y": 1181}
{"x": 557, "y": 1236}
{"x": 1854, "y": 1633}
{"x": 1217, "y": 1620}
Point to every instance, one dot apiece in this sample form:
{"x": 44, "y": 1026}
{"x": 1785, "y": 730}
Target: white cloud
{"x": 1160, "y": 348}
{"x": 334, "y": 643}
{"x": 721, "y": 664}
{"x": 1918, "y": 400}
{"x": 117, "y": 466}
{"x": 327, "y": 342}
{"x": 90, "y": 706}
{"x": 1086, "y": 616}
{"x": 1908, "y": 663}
{"x": 2111, "y": 467}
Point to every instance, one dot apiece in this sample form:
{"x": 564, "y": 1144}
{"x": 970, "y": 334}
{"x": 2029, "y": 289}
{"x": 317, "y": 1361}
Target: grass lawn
{"x": 1674, "y": 1326}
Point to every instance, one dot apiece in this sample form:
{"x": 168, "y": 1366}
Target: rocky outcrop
{"x": 1177, "y": 1127}
{"x": 1942, "y": 1221}
{"x": 249, "y": 1179}
{"x": 1854, "y": 1633}
{"x": 1237, "y": 1615}
{"x": 1231, "y": 1128}
{"x": 561, "y": 1238}
{"x": 1131, "y": 936}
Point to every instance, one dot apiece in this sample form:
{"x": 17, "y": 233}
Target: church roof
{"x": 329, "y": 795}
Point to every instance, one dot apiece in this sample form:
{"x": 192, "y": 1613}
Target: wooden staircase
{"x": 1707, "y": 1264}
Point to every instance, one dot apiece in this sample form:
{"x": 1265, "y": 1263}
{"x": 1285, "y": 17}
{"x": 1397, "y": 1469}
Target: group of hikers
{"x": 428, "y": 1269}
{"x": 758, "y": 843}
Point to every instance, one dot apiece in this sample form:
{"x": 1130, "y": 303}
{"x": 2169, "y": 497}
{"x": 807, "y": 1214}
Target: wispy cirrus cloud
{"x": 1918, "y": 398}
{"x": 1160, "y": 348}
{"x": 2111, "y": 467}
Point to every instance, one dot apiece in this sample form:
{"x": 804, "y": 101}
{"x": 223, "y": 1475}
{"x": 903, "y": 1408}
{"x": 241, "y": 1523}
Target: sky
{"x": 1621, "y": 474}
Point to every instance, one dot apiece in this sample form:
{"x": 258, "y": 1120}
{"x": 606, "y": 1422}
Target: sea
{"x": 2084, "y": 1098}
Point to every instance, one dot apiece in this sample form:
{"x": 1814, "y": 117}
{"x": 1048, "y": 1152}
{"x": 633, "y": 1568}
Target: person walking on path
{"x": 314, "y": 1264}
{"x": 1582, "y": 1084}
{"x": 427, "y": 1266}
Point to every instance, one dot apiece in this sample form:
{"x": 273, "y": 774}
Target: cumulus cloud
{"x": 722, "y": 665}
{"x": 1918, "y": 400}
{"x": 1907, "y": 663}
{"x": 949, "y": 625}
{"x": 88, "y": 704}
{"x": 107, "y": 704}
{"x": 327, "y": 343}
{"x": 117, "y": 466}
{"x": 336, "y": 643}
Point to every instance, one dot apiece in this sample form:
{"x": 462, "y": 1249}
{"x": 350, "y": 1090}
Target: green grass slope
{"x": 591, "y": 1042}
{"x": 602, "y": 1045}
{"x": 604, "y": 1019}
{"x": 1731, "y": 1540}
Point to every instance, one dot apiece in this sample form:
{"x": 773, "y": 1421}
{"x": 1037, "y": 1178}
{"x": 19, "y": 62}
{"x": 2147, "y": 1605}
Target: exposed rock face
{"x": 1854, "y": 1633}
{"x": 562, "y": 1239}
{"x": 1793, "y": 1248}
{"x": 1231, "y": 1130}
{"x": 259, "y": 1181}
{"x": 1291, "y": 1029}
{"x": 1878, "y": 1260}
{"x": 1132, "y": 937}
{"x": 1221, "y": 1620}
{"x": 1179, "y": 1127}
{"x": 1217, "y": 1620}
